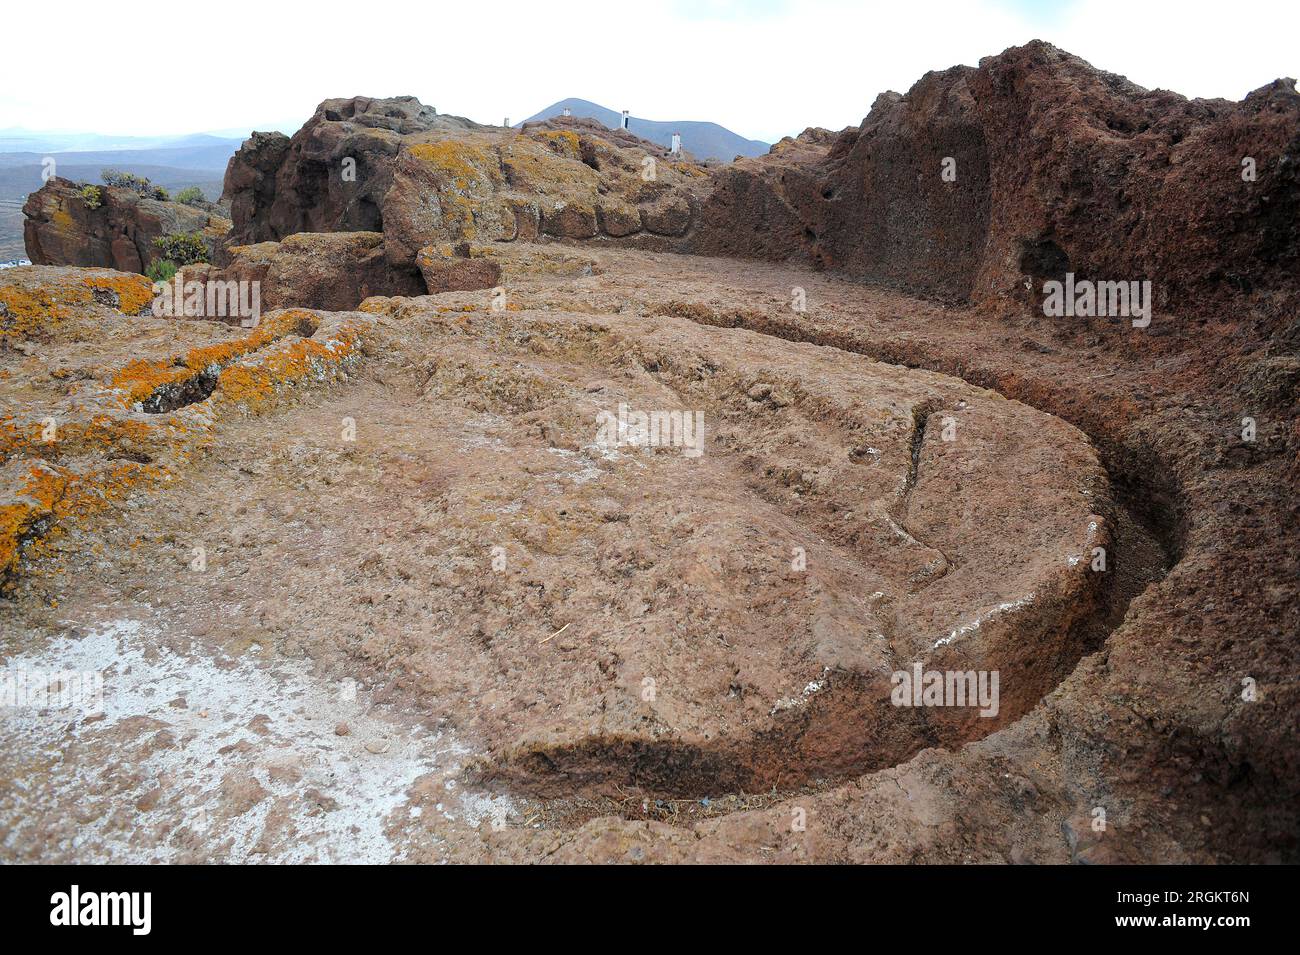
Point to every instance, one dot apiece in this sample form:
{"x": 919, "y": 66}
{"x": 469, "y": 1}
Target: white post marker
{"x": 677, "y": 144}
{"x": 624, "y": 126}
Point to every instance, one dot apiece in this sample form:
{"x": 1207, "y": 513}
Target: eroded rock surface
{"x": 1055, "y": 166}
{"x": 826, "y": 536}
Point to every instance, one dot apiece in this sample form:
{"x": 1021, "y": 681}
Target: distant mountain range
{"x": 15, "y": 139}
{"x": 203, "y": 158}
{"x": 703, "y": 140}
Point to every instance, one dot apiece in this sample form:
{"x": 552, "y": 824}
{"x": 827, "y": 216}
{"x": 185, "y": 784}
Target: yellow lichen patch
{"x": 40, "y": 491}
{"x": 29, "y": 312}
{"x": 134, "y": 292}
{"x": 462, "y": 162}
{"x": 98, "y": 460}
{"x": 15, "y": 438}
{"x": 85, "y": 494}
{"x": 216, "y": 229}
{"x": 294, "y": 321}
{"x": 468, "y": 173}
{"x": 43, "y": 486}
{"x": 14, "y": 521}
{"x": 379, "y": 305}
{"x": 48, "y": 497}
{"x": 100, "y": 435}
{"x": 254, "y": 385}
{"x": 60, "y": 497}
{"x": 690, "y": 169}
{"x": 563, "y": 141}
{"x": 105, "y": 434}
{"x": 38, "y": 309}
{"x": 140, "y": 379}
{"x": 291, "y": 321}
{"x": 537, "y": 169}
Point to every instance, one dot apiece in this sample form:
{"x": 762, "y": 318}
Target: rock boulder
{"x": 334, "y": 271}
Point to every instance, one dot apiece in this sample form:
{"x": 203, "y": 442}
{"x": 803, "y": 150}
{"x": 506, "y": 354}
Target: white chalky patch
{"x": 299, "y": 713}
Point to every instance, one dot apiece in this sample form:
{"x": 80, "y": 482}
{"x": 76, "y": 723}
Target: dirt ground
{"x": 443, "y": 614}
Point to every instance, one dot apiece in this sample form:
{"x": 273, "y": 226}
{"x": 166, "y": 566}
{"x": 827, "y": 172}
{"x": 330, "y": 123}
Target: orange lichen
{"x": 546, "y": 168}
{"x": 465, "y": 169}
{"x": 563, "y": 141}
{"x": 27, "y": 312}
{"x": 690, "y": 169}
{"x": 104, "y": 434}
{"x": 293, "y": 321}
{"x": 40, "y": 492}
{"x": 15, "y": 438}
{"x": 129, "y": 453}
{"x": 134, "y": 292}
{"x": 100, "y": 435}
{"x": 254, "y": 385}
{"x": 84, "y": 494}
{"x": 462, "y": 162}
{"x": 35, "y": 309}
{"x": 140, "y": 379}
{"x": 57, "y": 496}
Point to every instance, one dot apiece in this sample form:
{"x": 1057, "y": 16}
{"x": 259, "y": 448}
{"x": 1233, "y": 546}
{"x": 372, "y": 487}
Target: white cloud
{"x": 764, "y": 69}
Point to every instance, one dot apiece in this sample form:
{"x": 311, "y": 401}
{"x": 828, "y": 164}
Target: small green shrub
{"x": 162, "y": 270}
{"x": 190, "y": 195}
{"x": 92, "y": 197}
{"x": 139, "y": 184}
{"x": 125, "y": 180}
{"x": 183, "y": 248}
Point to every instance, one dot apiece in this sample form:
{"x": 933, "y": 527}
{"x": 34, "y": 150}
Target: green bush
{"x": 162, "y": 270}
{"x": 190, "y": 195}
{"x": 183, "y": 248}
{"x": 112, "y": 177}
{"x": 129, "y": 180}
{"x": 92, "y": 197}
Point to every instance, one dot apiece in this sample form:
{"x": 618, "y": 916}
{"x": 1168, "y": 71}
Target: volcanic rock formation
{"x": 62, "y": 228}
{"x": 279, "y": 185}
{"x": 393, "y": 166}
{"x": 1056, "y": 167}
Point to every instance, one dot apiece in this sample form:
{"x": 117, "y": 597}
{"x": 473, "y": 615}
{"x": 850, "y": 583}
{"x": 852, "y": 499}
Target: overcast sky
{"x": 764, "y": 68}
